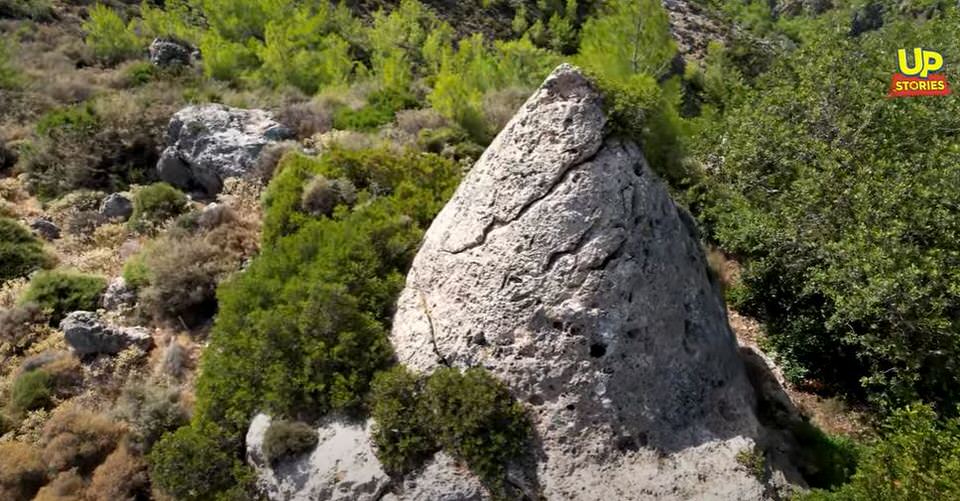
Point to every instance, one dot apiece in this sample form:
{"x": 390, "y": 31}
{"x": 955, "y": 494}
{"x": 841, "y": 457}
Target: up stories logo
{"x": 922, "y": 78}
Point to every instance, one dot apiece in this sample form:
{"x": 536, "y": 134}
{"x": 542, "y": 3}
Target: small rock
{"x": 118, "y": 296}
{"x": 167, "y": 52}
{"x": 45, "y": 228}
{"x": 210, "y": 143}
{"x": 86, "y": 334}
{"x": 116, "y": 206}
{"x": 867, "y": 18}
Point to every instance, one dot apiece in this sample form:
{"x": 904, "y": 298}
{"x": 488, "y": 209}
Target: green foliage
{"x": 916, "y": 458}
{"x": 31, "y": 390}
{"x": 150, "y": 411}
{"x": 9, "y": 75}
{"x": 469, "y": 414}
{"x": 627, "y": 38}
{"x": 111, "y": 40}
{"x": 20, "y": 251}
{"x": 381, "y": 108}
{"x": 73, "y": 119}
{"x": 37, "y": 10}
{"x": 842, "y": 214}
{"x": 825, "y": 461}
{"x": 287, "y": 438}
{"x": 155, "y": 204}
{"x": 477, "y": 420}
{"x": 139, "y": 73}
{"x": 60, "y": 292}
{"x": 420, "y": 183}
{"x": 755, "y": 461}
{"x": 402, "y": 432}
{"x": 195, "y": 463}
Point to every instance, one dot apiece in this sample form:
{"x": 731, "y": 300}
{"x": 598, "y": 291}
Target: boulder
{"x": 118, "y": 296}
{"x": 87, "y": 334}
{"x": 562, "y": 266}
{"x": 866, "y": 18}
{"x": 116, "y": 206}
{"x": 210, "y": 143}
{"x": 342, "y": 467}
{"x": 167, "y": 52}
{"x": 46, "y": 228}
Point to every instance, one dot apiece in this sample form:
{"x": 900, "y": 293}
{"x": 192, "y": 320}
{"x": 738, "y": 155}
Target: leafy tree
{"x": 627, "y": 38}
{"x": 109, "y": 36}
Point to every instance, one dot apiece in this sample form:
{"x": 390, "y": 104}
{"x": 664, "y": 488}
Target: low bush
{"x": 307, "y": 119}
{"x": 123, "y": 475}
{"x": 58, "y": 293}
{"x": 155, "y": 204}
{"x": 22, "y": 471}
{"x": 401, "y": 432}
{"x": 381, "y": 108}
{"x": 31, "y": 390}
{"x": 9, "y": 76}
{"x": 66, "y": 486}
{"x": 109, "y": 37}
{"x": 77, "y": 438}
{"x": 195, "y": 464}
{"x": 917, "y": 457}
{"x": 37, "y": 10}
{"x": 288, "y": 438}
{"x": 322, "y": 195}
{"x": 150, "y": 411}
{"x": 20, "y": 252}
{"x": 18, "y": 326}
{"x": 469, "y": 414}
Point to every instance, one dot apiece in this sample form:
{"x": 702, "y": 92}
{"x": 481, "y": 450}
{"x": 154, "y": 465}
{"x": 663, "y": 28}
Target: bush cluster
{"x": 22, "y": 471}
{"x": 469, "y": 414}
{"x": 58, "y": 293}
{"x": 150, "y": 411}
{"x": 20, "y": 251}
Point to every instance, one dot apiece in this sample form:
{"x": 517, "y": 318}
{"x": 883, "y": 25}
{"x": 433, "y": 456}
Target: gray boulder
{"x": 562, "y": 266}
{"x": 118, "y": 296}
{"x": 116, "y": 206}
{"x": 46, "y": 228}
{"x": 167, "y": 52}
{"x": 210, "y": 143}
{"x": 342, "y": 467}
{"x": 87, "y": 335}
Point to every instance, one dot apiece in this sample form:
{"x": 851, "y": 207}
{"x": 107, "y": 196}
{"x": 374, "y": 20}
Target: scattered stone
{"x": 86, "y": 334}
{"x": 342, "y": 467}
{"x": 591, "y": 290}
{"x": 210, "y": 143}
{"x": 45, "y": 228}
{"x": 118, "y": 296}
{"x": 116, "y": 206}
{"x": 167, "y": 52}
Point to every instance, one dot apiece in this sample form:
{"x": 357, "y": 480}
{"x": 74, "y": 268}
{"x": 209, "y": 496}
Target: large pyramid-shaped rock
{"x": 563, "y": 266}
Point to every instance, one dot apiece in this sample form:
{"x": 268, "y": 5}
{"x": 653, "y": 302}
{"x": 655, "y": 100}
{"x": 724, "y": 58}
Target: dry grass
{"x": 77, "y": 438}
{"x": 22, "y": 470}
{"x": 66, "y": 486}
{"x": 123, "y": 475}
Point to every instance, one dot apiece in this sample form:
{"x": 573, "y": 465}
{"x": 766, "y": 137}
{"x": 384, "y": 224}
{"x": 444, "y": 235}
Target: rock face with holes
{"x": 563, "y": 266}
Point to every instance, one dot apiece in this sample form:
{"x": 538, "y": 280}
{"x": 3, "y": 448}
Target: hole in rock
{"x": 598, "y": 350}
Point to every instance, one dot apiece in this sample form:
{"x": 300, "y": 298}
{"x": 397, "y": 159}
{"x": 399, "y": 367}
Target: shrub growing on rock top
{"x": 20, "y": 251}
{"x": 154, "y": 204}
{"x": 59, "y": 292}
{"x": 401, "y": 432}
{"x": 288, "y": 438}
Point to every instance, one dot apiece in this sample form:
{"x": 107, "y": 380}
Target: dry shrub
{"x": 413, "y": 121}
{"x": 66, "y": 486}
{"x": 269, "y": 158}
{"x": 77, "y": 438}
{"x": 174, "y": 361}
{"x": 307, "y": 118}
{"x": 500, "y": 105}
{"x": 17, "y": 326}
{"x": 150, "y": 410}
{"x": 122, "y": 476}
{"x": 22, "y": 471}
{"x": 322, "y": 195}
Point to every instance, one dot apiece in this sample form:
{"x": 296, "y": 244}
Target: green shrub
{"x": 151, "y": 411}
{"x": 381, "y": 108}
{"x": 194, "y": 464}
{"x": 474, "y": 417}
{"x": 37, "y": 10}
{"x": 155, "y": 204}
{"x": 916, "y": 458}
{"x": 31, "y": 390}
{"x": 9, "y": 76}
{"x": 469, "y": 414}
{"x": 111, "y": 40}
{"x": 287, "y": 438}
{"x": 139, "y": 73}
{"x": 58, "y": 293}
{"x": 401, "y": 433}
{"x": 20, "y": 252}
{"x": 77, "y": 119}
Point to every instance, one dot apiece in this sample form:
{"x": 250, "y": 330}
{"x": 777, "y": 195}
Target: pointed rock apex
{"x": 562, "y": 265}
